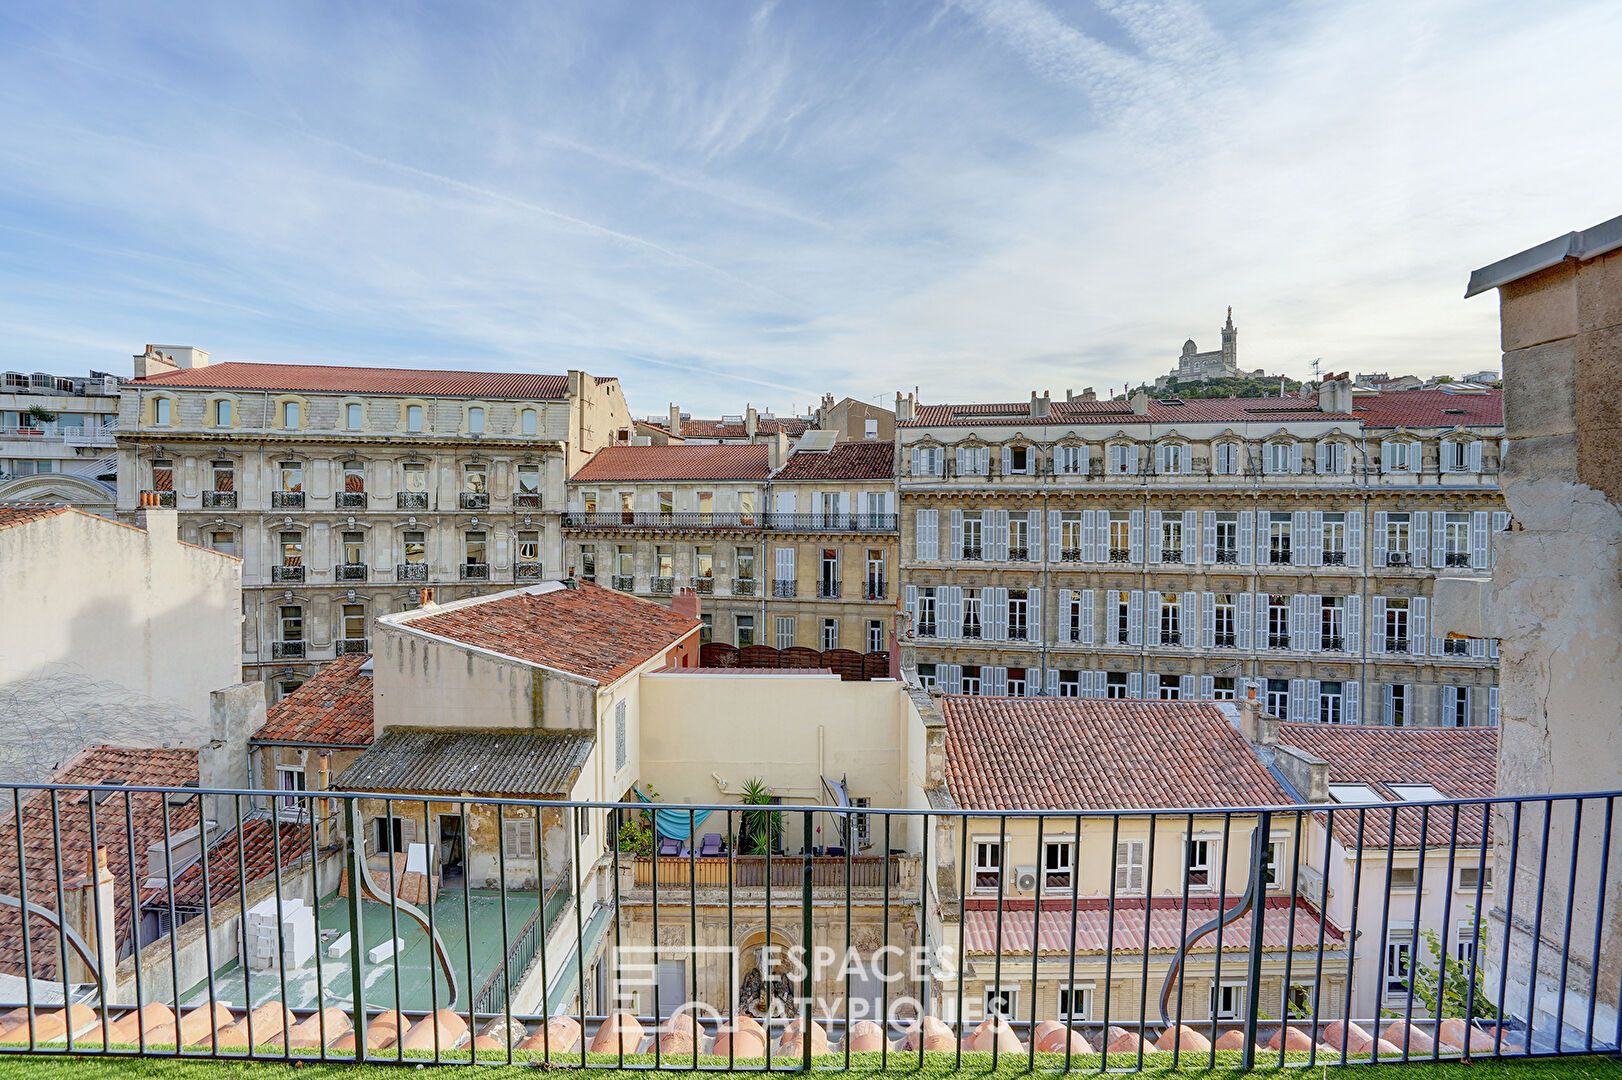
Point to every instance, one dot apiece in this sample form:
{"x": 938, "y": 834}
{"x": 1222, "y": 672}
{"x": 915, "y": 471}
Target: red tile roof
{"x": 23, "y": 513}
{"x": 734, "y": 429}
{"x": 332, "y": 709}
{"x": 1098, "y": 754}
{"x": 318, "y": 378}
{"x": 845, "y": 461}
{"x": 1093, "y": 933}
{"x": 260, "y": 839}
{"x": 1461, "y": 763}
{"x": 142, "y": 767}
{"x": 1431, "y": 408}
{"x": 585, "y": 630}
{"x": 677, "y": 461}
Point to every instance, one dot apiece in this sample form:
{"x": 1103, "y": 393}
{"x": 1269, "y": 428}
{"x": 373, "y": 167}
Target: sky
{"x": 726, "y": 203}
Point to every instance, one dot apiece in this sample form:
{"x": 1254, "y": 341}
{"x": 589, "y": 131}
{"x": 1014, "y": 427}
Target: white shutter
{"x": 784, "y": 561}
{"x": 1416, "y": 625}
{"x": 1354, "y": 538}
{"x": 1087, "y": 616}
{"x": 1247, "y": 536}
{"x": 955, "y": 551}
{"x": 1312, "y": 710}
{"x": 1033, "y": 535}
{"x": 1322, "y": 457}
{"x": 994, "y": 613}
{"x": 1298, "y": 622}
{"x": 844, "y": 510}
{"x": 1207, "y": 687}
{"x": 954, "y": 678}
{"x": 1419, "y": 540}
{"x": 984, "y": 458}
{"x": 1208, "y": 621}
{"x": 1300, "y": 538}
{"x": 999, "y": 675}
{"x": 1261, "y": 620}
{"x": 1132, "y": 458}
{"x": 1295, "y": 457}
{"x": 1475, "y": 456}
{"x": 1315, "y": 538}
{"x": 1112, "y": 604}
{"x": 1315, "y": 622}
{"x": 1478, "y": 648}
{"x": 1188, "y": 619}
{"x": 1185, "y": 687}
{"x": 1136, "y": 530}
{"x": 1209, "y": 539}
{"x": 917, "y": 462}
{"x": 999, "y": 536}
{"x": 961, "y": 454}
{"x": 1033, "y": 608}
{"x": 1190, "y": 537}
{"x": 1084, "y": 460}
{"x": 1385, "y": 456}
{"x": 1388, "y": 706}
{"x": 1380, "y": 538}
{"x": 1377, "y": 625}
{"x": 1151, "y": 617}
{"x": 1151, "y": 687}
{"x": 1354, "y": 625}
{"x": 1007, "y": 460}
{"x": 1264, "y": 530}
{"x": 1298, "y": 699}
{"x": 1134, "y": 618}
{"x": 926, "y": 535}
{"x": 1241, "y": 621}
{"x": 1492, "y": 706}
{"x": 1089, "y": 536}
{"x": 1156, "y": 534}
{"x": 1053, "y": 682}
{"x": 1055, "y": 530}
{"x": 816, "y": 509}
{"x": 1439, "y": 539}
{"x": 1450, "y": 702}
{"x": 1064, "y": 616}
{"x": 909, "y": 594}
{"x": 1134, "y": 684}
{"x": 1351, "y": 702}
{"x": 1479, "y": 540}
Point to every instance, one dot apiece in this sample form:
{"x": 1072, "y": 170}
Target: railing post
{"x": 354, "y": 853}
{"x": 805, "y": 944}
{"x": 1258, "y": 910}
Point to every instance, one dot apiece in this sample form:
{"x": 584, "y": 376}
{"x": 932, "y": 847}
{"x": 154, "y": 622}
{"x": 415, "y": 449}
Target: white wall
{"x": 111, "y": 634}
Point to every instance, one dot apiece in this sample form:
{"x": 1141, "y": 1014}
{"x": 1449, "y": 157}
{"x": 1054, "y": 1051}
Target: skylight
{"x": 1416, "y": 792}
{"x": 1354, "y": 794}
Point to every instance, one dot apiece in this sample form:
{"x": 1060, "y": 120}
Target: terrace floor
{"x": 411, "y": 964}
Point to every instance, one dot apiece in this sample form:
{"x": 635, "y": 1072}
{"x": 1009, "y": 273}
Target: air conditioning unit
{"x": 1025, "y": 879}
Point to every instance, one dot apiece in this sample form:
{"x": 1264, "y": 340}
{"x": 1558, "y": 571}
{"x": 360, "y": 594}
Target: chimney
{"x": 1140, "y": 403}
{"x": 906, "y": 408}
{"x": 1088, "y": 394}
{"x": 161, "y": 523}
{"x": 234, "y": 714}
{"x": 777, "y": 454}
{"x": 425, "y": 597}
{"x": 751, "y": 421}
{"x": 685, "y": 602}
{"x": 1044, "y": 405}
{"x": 1248, "y": 712}
{"x": 89, "y": 909}
{"x": 675, "y": 419}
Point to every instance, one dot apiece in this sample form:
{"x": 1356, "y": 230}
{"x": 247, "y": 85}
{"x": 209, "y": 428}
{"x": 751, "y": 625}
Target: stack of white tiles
{"x": 293, "y": 926}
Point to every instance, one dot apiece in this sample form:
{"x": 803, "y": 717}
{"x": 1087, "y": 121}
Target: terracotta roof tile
{"x": 260, "y": 841}
{"x": 332, "y": 709}
{"x": 585, "y": 630}
{"x": 1461, "y": 763}
{"x": 734, "y": 429}
{"x": 1093, "y": 932}
{"x": 366, "y": 380}
{"x": 138, "y": 767}
{"x": 1431, "y": 408}
{"x": 1098, "y": 754}
{"x": 678, "y": 461}
{"x": 846, "y": 461}
{"x": 23, "y": 513}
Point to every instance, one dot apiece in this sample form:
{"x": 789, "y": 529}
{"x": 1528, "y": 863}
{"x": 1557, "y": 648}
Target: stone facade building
{"x": 1194, "y": 366}
{"x": 56, "y": 439}
{"x": 1171, "y": 549}
{"x": 347, "y": 491}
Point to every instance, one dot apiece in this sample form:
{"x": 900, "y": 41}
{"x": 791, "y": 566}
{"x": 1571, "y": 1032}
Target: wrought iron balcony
{"x": 1223, "y": 641}
{"x": 474, "y": 500}
{"x": 287, "y": 500}
{"x": 219, "y": 500}
{"x": 1334, "y": 558}
{"x": 1070, "y": 554}
{"x": 1332, "y": 644}
{"x": 1171, "y": 637}
{"x": 287, "y": 650}
{"x": 1456, "y": 558}
{"x": 662, "y": 586}
{"x": 1018, "y": 632}
{"x": 528, "y": 571}
{"x": 1278, "y": 641}
{"x": 354, "y": 645}
{"x": 743, "y": 586}
{"x": 874, "y": 589}
{"x": 704, "y": 586}
{"x": 972, "y": 552}
{"x": 1396, "y": 644}
{"x": 351, "y": 500}
{"x": 1227, "y": 555}
{"x": 827, "y": 590}
{"x": 411, "y": 500}
{"x": 158, "y": 498}
{"x": 624, "y": 582}
{"x": 349, "y": 572}
{"x": 1173, "y": 556}
{"x": 286, "y": 574}
{"x": 970, "y": 631}
{"x": 783, "y": 589}
{"x": 1279, "y": 556}
{"x": 1019, "y": 554}
{"x": 1120, "y": 554}
{"x": 475, "y": 571}
{"x": 527, "y": 500}
{"x": 411, "y": 571}
{"x": 926, "y": 628}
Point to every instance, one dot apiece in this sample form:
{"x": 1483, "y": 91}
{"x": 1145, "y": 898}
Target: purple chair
{"x": 669, "y": 846}
{"x": 711, "y": 846}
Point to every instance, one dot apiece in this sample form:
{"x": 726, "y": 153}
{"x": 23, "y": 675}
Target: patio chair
{"x": 669, "y": 846}
{"x": 711, "y": 846}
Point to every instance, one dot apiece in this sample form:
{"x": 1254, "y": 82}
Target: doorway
{"x": 450, "y": 845}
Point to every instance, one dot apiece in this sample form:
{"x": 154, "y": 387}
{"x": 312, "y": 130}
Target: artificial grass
{"x": 61, "y": 1066}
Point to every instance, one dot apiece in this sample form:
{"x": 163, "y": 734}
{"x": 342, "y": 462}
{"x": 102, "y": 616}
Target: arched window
{"x": 527, "y": 422}
{"x": 475, "y": 419}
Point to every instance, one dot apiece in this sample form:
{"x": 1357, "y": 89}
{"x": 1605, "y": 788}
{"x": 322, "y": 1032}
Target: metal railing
{"x": 474, "y": 500}
{"x": 827, "y": 590}
{"x": 354, "y": 645}
{"x": 527, "y": 571}
{"x": 219, "y": 500}
{"x": 411, "y": 571}
{"x": 287, "y": 650}
{"x": 704, "y": 586}
{"x": 286, "y": 574}
{"x": 527, "y": 500}
{"x": 742, "y": 586}
{"x": 287, "y": 500}
{"x": 349, "y": 572}
{"x": 783, "y": 588}
{"x": 662, "y": 585}
{"x": 350, "y": 500}
{"x": 623, "y": 582}
{"x": 411, "y": 500}
{"x": 475, "y": 571}
{"x": 436, "y": 929}
{"x": 161, "y": 498}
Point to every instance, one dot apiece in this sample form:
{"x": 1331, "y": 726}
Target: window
{"x": 529, "y": 548}
{"x": 355, "y": 480}
{"x": 1171, "y": 619}
{"x": 1170, "y": 689}
{"x": 416, "y": 547}
{"x": 870, "y": 429}
{"x": 875, "y": 635}
{"x": 475, "y": 419}
{"x": 706, "y": 628}
{"x": 746, "y": 630}
{"x": 354, "y": 545}
{"x": 625, "y": 563}
{"x": 1227, "y": 1001}
{"x": 1123, "y": 459}
{"x": 1456, "y": 539}
{"x": 1227, "y": 458}
{"x": 1278, "y": 624}
{"x": 830, "y": 634}
{"x": 225, "y": 475}
{"x": 1016, "y": 681}
{"x": 973, "y": 460}
{"x": 1398, "y": 539}
{"x": 588, "y": 562}
{"x": 1278, "y": 698}
{"x": 971, "y": 614}
{"x": 1129, "y": 867}
{"x": 414, "y": 477}
{"x": 223, "y": 542}
{"x": 163, "y": 474}
{"x": 1227, "y": 536}
{"x": 222, "y": 413}
{"x": 1058, "y": 864}
{"x": 1226, "y": 607}
{"x": 745, "y": 558}
{"x": 1069, "y": 460}
{"x": 352, "y": 417}
{"x": 1398, "y": 456}
{"x": 864, "y": 822}
{"x": 1278, "y": 457}
{"x": 1275, "y": 871}
{"x": 1120, "y": 536}
{"x": 292, "y": 545}
{"x": 1076, "y": 1003}
{"x": 1456, "y": 702}
{"x": 1471, "y": 876}
{"x": 1396, "y": 625}
{"x": 971, "y": 680}
{"x": 1197, "y": 866}
{"x": 1399, "y": 954}
{"x": 1019, "y": 627}
{"x": 926, "y": 676}
{"x": 972, "y": 537}
{"x": 1173, "y": 458}
{"x": 1457, "y": 455}
{"x": 620, "y": 744}
{"x": 474, "y": 479}
{"x": 1333, "y": 458}
{"x": 704, "y": 562}
{"x": 413, "y": 417}
{"x": 354, "y": 616}
{"x": 290, "y": 414}
{"x": 392, "y": 834}
{"x": 1464, "y": 944}
{"x": 1334, "y": 542}
{"x": 291, "y": 620}
{"x": 160, "y": 410}
{"x": 1332, "y": 624}
{"x": 1222, "y": 688}
{"x": 290, "y": 779}
{"x": 1354, "y": 794}
{"x": 1070, "y": 684}
{"x": 1019, "y": 538}
{"x": 473, "y": 548}
{"x": 1279, "y": 539}
{"x": 287, "y": 688}
{"x": 290, "y": 476}
{"x": 667, "y": 504}
{"x": 664, "y": 561}
{"x": 746, "y": 507}
{"x": 1171, "y": 538}
{"x": 987, "y": 865}
{"x": 518, "y": 838}
{"x": 928, "y": 460}
{"x": 1331, "y": 703}
{"x": 1019, "y": 460}
{"x": 1404, "y": 878}
{"x": 1002, "y": 1002}
{"x": 1416, "y": 792}
{"x": 1116, "y": 684}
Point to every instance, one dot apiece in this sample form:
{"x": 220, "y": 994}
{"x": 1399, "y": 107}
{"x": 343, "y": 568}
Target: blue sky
{"x": 727, "y": 202}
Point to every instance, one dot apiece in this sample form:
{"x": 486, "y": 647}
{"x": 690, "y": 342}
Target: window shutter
{"x": 1087, "y": 616}
{"x": 1033, "y": 607}
{"x": 1419, "y": 539}
{"x": 1380, "y": 537}
{"x": 1492, "y": 706}
{"x": 910, "y": 600}
{"x": 1064, "y": 616}
{"x": 1298, "y": 699}
{"x": 1208, "y": 541}
{"x": 1354, "y": 624}
{"x": 1479, "y": 540}
{"x": 1315, "y": 622}
{"x": 1089, "y": 536}
{"x": 1208, "y": 621}
{"x": 917, "y": 462}
{"x": 1247, "y": 536}
{"x": 1007, "y": 460}
{"x": 1295, "y": 458}
{"x": 1478, "y": 648}
{"x": 1322, "y": 456}
{"x": 1416, "y": 625}
{"x": 1354, "y": 538}
{"x": 1475, "y": 456}
{"x": 1134, "y": 684}
{"x": 1312, "y": 708}
{"x": 961, "y": 455}
{"x": 925, "y": 538}
{"x": 1188, "y": 618}
{"x": 1242, "y": 621}
{"x": 1112, "y": 605}
{"x": 1084, "y": 460}
{"x": 1185, "y": 687}
{"x": 1190, "y": 537}
{"x": 1135, "y": 527}
{"x": 844, "y": 510}
{"x": 1377, "y": 625}
{"x": 1300, "y": 538}
{"x": 999, "y": 675}
{"x": 1315, "y": 538}
{"x": 994, "y": 613}
{"x": 1450, "y": 702}
{"x": 1156, "y": 534}
{"x": 1261, "y": 620}
{"x": 1151, "y": 687}
{"x": 1439, "y": 539}
{"x": 952, "y": 598}
{"x": 1151, "y": 616}
{"x": 1132, "y": 459}
{"x": 1385, "y": 456}
{"x": 1055, "y": 531}
{"x": 1388, "y": 707}
{"x": 1053, "y": 682}
{"x": 999, "y": 535}
{"x": 955, "y": 551}
{"x": 1134, "y": 618}
{"x": 1298, "y": 622}
{"x": 1207, "y": 687}
{"x": 1351, "y": 703}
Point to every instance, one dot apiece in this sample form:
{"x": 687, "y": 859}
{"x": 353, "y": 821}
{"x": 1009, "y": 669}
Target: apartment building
{"x": 791, "y": 548}
{"x": 1175, "y": 550}
{"x": 56, "y": 439}
{"x": 348, "y": 491}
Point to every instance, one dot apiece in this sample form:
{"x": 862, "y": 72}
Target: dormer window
{"x": 527, "y": 422}
{"x": 222, "y": 413}
{"x": 160, "y": 410}
{"x": 475, "y": 420}
{"x": 1227, "y": 458}
{"x": 413, "y": 417}
{"x": 352, "y": 416}
{"x": 1019, "y": 460}
{"x": 290, "y": 414}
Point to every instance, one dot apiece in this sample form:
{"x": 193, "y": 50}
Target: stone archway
{"x": 763, "y": 986}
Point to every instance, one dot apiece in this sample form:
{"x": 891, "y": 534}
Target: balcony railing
{"x": 474, "y": 500}
{"x": 527, "y": 571}
{"x": 662, "y": 586}
{"x": 286, "y": 574}
{"x": 219, "y": 500}
{"x": 1227, "y": 555}
{"x": 1499, "y": 885}
{"x": 287, "y": 500}
{"x": 351, "y": 500}
{"x": 624, "y": 582}
{"x": 1279, "y": 556}
{"x": 873, "y": 589}
{"x": 1018, "y": 632}
{"x": 349, "y": 572}
{"x": 743, "y": 586}
{"x": 1456, "y": 558}
{"x": 1171, "y": 637}
{"x": 354, "y": 645}
{"x": 1172, "y": 556}
{"x": 527, "y": 500}
{"x": 1278, "y": 641}
{"x": 1019, "y": 554}
{"x": 475, "y": 571}
{"x": 1070, "y": 554}
{"x": 1334, "y": 558}
{"x": 413, "y": 571}
{"x": 1334, "y": 643}
{"x": 1120, "y": 555}
{"x": 972, "y": 552}
{"x": 827, "y": 590}
{"x": 411, "y": 500}
{"x": 159, "y": 498}
{"x": 1396, "y": 644}
{"x": 782, "y": 588}
{"x": 287, "y": 650}
{"x": 1223, "y": 641}
{"x": 704, "y": 586}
